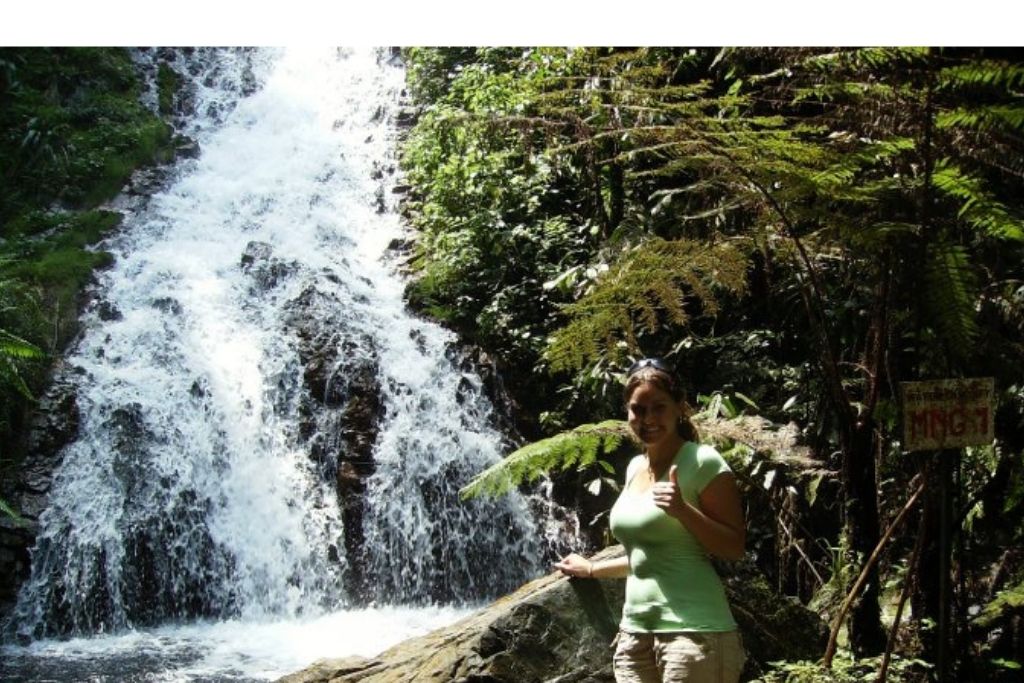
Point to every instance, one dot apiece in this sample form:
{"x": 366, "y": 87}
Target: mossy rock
{"x": 168, "y": 81}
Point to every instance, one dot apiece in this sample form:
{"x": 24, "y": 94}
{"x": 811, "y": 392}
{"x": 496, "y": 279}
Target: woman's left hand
{"x": 575, "y": 565}
{"x": 667, "y": 495}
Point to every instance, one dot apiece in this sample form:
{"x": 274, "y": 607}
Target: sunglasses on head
{"x": 656, "y": 363}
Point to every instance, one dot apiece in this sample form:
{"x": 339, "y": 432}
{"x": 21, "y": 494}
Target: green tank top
{"x": 671, "y": 584}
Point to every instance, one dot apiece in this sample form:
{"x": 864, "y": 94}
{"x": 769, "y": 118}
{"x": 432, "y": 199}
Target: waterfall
{"x": 247, "y": 340}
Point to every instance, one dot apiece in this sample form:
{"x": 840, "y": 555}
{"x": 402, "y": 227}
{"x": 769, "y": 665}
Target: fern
{"x": 1006, "y": 603}
{"x": 977, "y": 207}
{"x": 7, "y": 511}
{"x": 648, "y": 285}
{"x": 848, "y": 168}
{"x": 872, "y": 58}
{"x": 951, "y": 288}
{"x": 579, "y": 447}
{"x": 1003, "y": 117}
{"x": 13, "y": 351}
{"x": 981, "y": 74}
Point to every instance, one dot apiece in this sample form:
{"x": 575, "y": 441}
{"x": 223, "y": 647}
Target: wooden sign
{"x": 948, "y": 413}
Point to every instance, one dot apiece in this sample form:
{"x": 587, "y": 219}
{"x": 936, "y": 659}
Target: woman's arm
{"x": 718, "y": 523}
{"x": 577, "y": 565}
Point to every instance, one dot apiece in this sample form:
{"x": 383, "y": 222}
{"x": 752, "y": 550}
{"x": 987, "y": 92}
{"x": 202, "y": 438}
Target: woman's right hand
{"x": 575, "y": 565}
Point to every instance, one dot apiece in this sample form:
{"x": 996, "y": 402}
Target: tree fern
{"x": 648, "y": 286}
{"x": 977, "y": 206}
{"x": 1005, "y": 117}
{"x": 981, "y": 74}
{"x": 951, "y": 295}
{"x": 580, "y": 447}
{"x": 13, "y": 350}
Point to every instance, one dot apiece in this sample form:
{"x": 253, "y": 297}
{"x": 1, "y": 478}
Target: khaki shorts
{"x": 693, "y": 657}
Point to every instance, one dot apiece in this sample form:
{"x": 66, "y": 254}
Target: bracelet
{"x": 590, "y": 570}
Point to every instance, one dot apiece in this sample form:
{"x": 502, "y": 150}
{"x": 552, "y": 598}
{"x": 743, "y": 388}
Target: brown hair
{"x": 658, "y": 376}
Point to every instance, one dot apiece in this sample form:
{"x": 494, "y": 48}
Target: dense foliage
{"x": 72, "y": 130}
{"x": 798, "y": 230}
{"x": 804, "y": 228}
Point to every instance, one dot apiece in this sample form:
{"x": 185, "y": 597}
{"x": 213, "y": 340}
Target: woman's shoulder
{"x": 706, "y": 462}
{"x": 702, "y": 454}
{"x": 698, "y": 449}
{"x": 635, "y": 464}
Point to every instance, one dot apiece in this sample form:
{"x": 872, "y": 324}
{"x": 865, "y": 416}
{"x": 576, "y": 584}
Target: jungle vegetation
{"x": 72, "y": 130}
{"x": 799, "y": 231}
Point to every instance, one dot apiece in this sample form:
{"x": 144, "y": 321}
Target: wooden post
{"x": 946, "y": 473}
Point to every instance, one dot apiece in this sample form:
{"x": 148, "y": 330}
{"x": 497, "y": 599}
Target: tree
{"x": 875, "y": 192}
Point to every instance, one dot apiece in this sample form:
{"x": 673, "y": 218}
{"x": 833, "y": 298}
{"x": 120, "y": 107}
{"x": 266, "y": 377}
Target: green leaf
{"x": 578, "y": 447}
{"x": 9, "y": 512}
{"x": 951, "y": 295}
{"x": 977, "y": 206}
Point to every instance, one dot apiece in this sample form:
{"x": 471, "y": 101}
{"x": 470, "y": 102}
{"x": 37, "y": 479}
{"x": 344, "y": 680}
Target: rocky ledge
{"x": 559, "y": 630}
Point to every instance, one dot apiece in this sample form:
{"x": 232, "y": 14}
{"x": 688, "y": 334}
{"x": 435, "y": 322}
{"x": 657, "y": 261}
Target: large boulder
{"x": 560, "y": 630}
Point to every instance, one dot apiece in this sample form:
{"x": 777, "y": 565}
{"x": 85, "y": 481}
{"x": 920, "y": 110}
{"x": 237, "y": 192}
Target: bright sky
{"x": 513, "y": 22}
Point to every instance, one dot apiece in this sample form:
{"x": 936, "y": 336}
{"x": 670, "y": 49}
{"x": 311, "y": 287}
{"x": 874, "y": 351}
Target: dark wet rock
{"x": 199, "y": 389}
{"x": 406, "y": 117}
{"x": 401, "y": 246}
{"x": 187, "y": 148}
{"x": 167, "y": 305}
{"x": 255, "y": 252}
{"x": 474, "y": 362}
{"x": 16, "y": 537}
{"x": 342, "y": 411}
{"x": 108, "y": 312}
{"x": 266, "y": 270}
{"x": 53, "y": 426}
{"x": 250, "y": 84}
{"x": 148, "y": 181}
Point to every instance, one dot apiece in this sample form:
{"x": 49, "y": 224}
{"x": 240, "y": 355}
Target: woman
{"x": 679, "y": 504}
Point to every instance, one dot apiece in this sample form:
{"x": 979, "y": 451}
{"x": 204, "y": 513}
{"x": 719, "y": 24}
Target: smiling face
{"x": 654, "y": 415}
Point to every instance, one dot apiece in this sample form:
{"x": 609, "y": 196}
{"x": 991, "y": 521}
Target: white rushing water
{"x": 194, "y": 530}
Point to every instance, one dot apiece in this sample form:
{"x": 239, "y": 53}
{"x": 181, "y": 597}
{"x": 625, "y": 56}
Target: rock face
{"x": 341, "y": 413}
{"x": 559, "y": 630}
{"x": 53, "y": 425}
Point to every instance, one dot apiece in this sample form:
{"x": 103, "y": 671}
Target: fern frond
{"x": 579, "y": 447}
{"x": 848, "y": 167}
{"x": 12, "y": 350}
{"x": 988, "y": 74}
{"x": 977, "y": 207}
{"x": 872, "y": 58}
{"x": 1007, "y": 602}
{"x": 951, "y": 294}
{"x": 7, "y": 511}
{"x": 645, "y": 288}
{"x": 878, "y": 236}
{"x": 1003, "y": 117}
{"x": 848, "y": 91}
{"x": 13, "y": 346}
